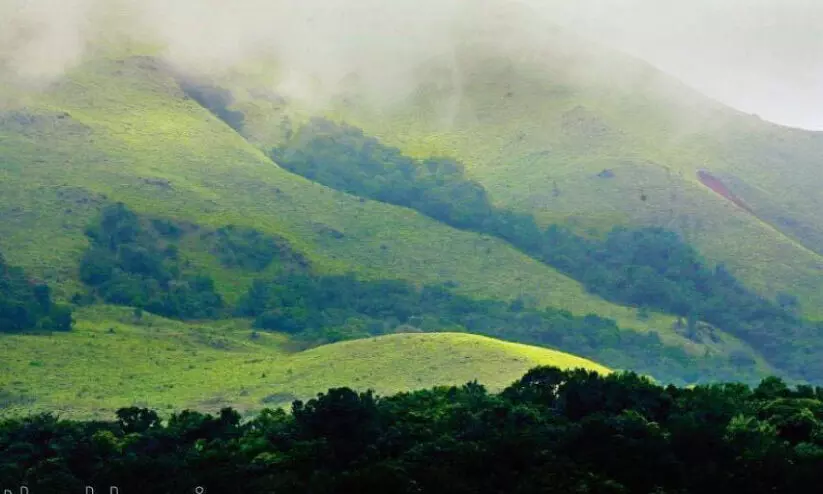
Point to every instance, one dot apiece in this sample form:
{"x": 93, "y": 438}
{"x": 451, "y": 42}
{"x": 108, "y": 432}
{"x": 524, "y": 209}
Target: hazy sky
{"x": 761, "y": 56}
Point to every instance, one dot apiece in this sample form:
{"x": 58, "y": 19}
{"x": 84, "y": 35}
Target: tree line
{"x": 648, "y": 268}
{"x": 551, "y": 431}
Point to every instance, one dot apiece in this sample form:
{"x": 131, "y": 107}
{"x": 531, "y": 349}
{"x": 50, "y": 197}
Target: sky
{"x": 760, "y": 56}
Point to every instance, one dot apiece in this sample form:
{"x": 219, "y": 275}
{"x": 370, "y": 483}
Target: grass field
{"x": 114, "y": 360}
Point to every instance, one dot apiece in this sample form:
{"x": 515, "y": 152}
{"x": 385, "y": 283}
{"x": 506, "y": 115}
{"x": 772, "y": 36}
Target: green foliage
{"x": 343, "y": 158}
{"x": 321, "y": 309}
{"x": 654, "y": 268}
{"x": 25, "y": 304}
{"x": 129, "y": 262}
{"x": 551, "y": 431}
{"x": 649, "y": 268}
{"x": 247, "y": 248}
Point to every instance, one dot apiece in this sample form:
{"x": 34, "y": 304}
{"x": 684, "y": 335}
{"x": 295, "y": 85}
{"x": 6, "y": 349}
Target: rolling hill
{"x": 112, "y": 360}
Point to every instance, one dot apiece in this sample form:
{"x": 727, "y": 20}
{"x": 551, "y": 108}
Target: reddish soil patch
{"x": 720, "y": 188}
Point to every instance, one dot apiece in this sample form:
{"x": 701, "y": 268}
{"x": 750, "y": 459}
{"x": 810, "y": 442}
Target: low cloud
{"x": 763, "y": 56}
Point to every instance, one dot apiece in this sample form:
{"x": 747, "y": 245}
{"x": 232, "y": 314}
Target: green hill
{"x": 589, "y": 138}
{"x": 122, "y": 129}
{"x": 112, "y": 359}
{"x": 574, "y": 135}
{"x": 537, "y": 126}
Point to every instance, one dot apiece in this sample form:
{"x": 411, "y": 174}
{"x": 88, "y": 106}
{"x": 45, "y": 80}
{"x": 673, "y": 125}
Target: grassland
{"x": 112, "y": 359}
{"x": 122, "y": 130}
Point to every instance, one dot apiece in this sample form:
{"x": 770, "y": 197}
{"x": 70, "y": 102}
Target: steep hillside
{"x": 132, "y": 138}
{"x": 536, "y": 128}
{"x": 113, "y": 359}
{"x": 576, "y": 134}
{"x": 122, "y": 130}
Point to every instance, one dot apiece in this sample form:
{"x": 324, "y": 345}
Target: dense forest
{"x": 551, "y": 431}
{"x": 26, "y": 304}
{"x": 649, "y": 268}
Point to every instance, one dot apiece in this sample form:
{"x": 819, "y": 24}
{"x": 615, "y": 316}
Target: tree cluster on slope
{"x": 130, "y": 262}
{"x": 135, "y": 261}
{"x": 551, "y": 431}
{"x": 27, "y": 305}
{"x": 216, "y": 100}
{"x": 249, "y": 249}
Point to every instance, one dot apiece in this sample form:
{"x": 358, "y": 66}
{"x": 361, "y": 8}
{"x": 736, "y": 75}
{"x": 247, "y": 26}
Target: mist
{"x": 760, "y": 56}
{"x": 322, "y": 40}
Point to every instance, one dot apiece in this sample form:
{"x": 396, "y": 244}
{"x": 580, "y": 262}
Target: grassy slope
{"x": 122, "y": 130}
{"x": 528, "y": 117}
{"x": 131, "y": 136}
{"x": 172, "y": 365}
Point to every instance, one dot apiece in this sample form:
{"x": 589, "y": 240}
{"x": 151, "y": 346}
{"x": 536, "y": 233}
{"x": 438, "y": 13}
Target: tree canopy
{"x": 551, "y": 431}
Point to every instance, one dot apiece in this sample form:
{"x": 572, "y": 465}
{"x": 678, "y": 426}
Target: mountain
{"x": 123, "y": 130}
{"x": 590, "y": 138}
{"x": 485, "y": 199}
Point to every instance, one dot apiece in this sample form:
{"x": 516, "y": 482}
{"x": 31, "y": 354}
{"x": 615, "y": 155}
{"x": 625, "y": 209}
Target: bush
{"x": 247, "y": 248}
